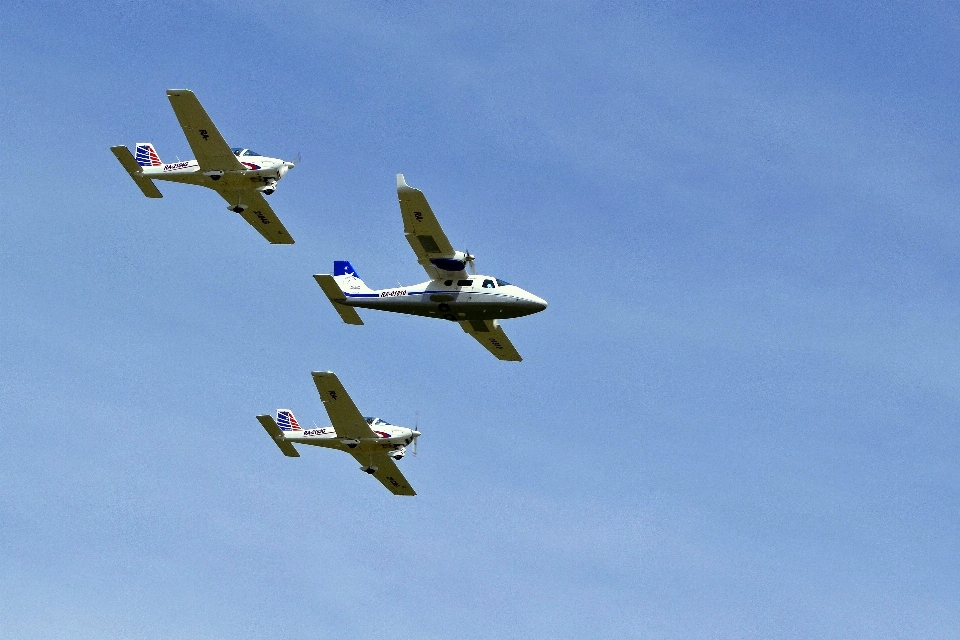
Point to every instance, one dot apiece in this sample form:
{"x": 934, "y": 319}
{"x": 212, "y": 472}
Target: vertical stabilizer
{"x": 147, "y": 155}
{"x": 347, "y": 278}
{"x": 286, "y": 421}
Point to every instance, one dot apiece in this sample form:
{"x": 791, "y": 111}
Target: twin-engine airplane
{"x": 477, "y": 302}
{"x": 241, "y": 176}
{"x": 374, "y": 443}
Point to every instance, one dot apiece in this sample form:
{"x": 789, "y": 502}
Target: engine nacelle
{"x": 456, "y": 262}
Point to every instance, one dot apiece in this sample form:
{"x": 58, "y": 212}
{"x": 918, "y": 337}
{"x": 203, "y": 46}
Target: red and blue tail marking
{"x": 147, "y": 155}
{"x": 286, "y": 421}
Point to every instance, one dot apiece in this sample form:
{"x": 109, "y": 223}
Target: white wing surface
{"x": 491, "y": 336}
{"x": 258, "y": 213}
{"x": 344, "y": 415}
{"x": 387, "y": 472}
{"x": 421, "y": 228}
{"x": 212, "y": 151}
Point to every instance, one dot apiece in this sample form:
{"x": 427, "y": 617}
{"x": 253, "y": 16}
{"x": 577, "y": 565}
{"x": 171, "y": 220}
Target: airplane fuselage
{"x": 260, "y": 173}
{"x": 475, "y": 297}
{"x": 391, "y": 438}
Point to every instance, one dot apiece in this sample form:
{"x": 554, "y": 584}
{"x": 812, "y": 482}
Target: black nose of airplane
{"x": 535, "y": 304}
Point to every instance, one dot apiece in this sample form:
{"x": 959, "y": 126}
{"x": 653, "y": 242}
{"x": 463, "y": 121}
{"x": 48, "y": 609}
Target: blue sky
{"x": 737, "y": 418}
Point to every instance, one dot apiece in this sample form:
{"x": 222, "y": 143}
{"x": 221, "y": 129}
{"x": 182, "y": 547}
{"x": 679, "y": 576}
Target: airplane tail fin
{"x": 337, "y": 287}
{"x": 286, "y": 421}
{"x": 346, "y": 276}
{"x": 147, "y": 155}
{"x": 276, "y": 431}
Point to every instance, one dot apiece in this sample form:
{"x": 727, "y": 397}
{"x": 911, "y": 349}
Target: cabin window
{"x": 464, "y": 283}
{"x": 248, "y": 152}
{"x": 488, "y": 284}
{"x": 237, "y": 151}
{"x": 503, "y": 283}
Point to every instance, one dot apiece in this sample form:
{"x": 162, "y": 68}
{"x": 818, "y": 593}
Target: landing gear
{"x": 269, "y": 187}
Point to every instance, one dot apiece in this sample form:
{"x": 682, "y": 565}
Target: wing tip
{"x": 401, "y": 182}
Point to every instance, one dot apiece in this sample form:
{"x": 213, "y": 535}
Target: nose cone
{"x": 537, "y": 303}
{"x": 415, "y": 434}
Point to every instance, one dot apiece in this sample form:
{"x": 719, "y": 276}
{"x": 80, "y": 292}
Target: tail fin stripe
{"x": 286, "y": 421}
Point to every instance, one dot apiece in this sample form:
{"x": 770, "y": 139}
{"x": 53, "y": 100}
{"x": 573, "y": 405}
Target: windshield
{"x": 503, "y": 283}
{"x": 248, "y": 152}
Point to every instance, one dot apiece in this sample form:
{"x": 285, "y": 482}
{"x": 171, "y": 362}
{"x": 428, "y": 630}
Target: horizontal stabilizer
{"x": 336, "y": 296}
{"x": 277, "y": 436}
{"x": 130, "y": 164}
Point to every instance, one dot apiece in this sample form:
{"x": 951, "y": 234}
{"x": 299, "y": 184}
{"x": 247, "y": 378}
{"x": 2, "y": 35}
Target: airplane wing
{"x": 421, "y": 228}
{"x": 344, "y": 415}
{"x": 387, "y": 472}
{"x": 491, "y": 336}
{"x": 258, "y": 213}
{"x": 212, "y": 151}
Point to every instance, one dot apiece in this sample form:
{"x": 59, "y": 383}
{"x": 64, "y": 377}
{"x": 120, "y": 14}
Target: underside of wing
{"x": 344, "y": 415}
{"x": 421, "y": 228}
{"x": 212, "y": 151}
{"x": 491, "y": 336}
{"x": 256, "y": 211}
{"x": 387, "y": 472}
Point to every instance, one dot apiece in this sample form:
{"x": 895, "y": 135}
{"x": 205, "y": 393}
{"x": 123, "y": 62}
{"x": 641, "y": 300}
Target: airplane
{"x": 477, "y": 302}
{"x": 241, "y": 176}
{"x": 374, "y": 443}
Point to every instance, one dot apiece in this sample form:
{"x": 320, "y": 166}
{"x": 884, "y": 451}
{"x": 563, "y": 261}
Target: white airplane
{"x": 373, "y": 442}
{"x": 477, "y": 302}
{"x": 241, "y": 176}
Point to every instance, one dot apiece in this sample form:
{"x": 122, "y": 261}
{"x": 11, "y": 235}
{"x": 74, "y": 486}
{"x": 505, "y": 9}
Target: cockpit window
{"x": 503, "y": 283}
{"x": 236, "y": 151}
{"x": 488, "y": 284}
{"x": 370, "y": 420}
{"x": 248, "y": 152}
{"x": 375, "y": 421}
{"x": 464, "y": 283}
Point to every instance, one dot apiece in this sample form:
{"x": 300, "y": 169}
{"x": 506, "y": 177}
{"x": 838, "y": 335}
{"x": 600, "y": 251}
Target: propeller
{"x": 469, "y": 258}
{"x": 297, "y": 159}
{"x": 416, "y": 439}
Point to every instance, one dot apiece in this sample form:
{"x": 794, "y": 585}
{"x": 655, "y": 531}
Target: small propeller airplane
{"x": 373, "y": 442}
{"x": 241, "y": 176}
{"x": 477, "y": 302}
